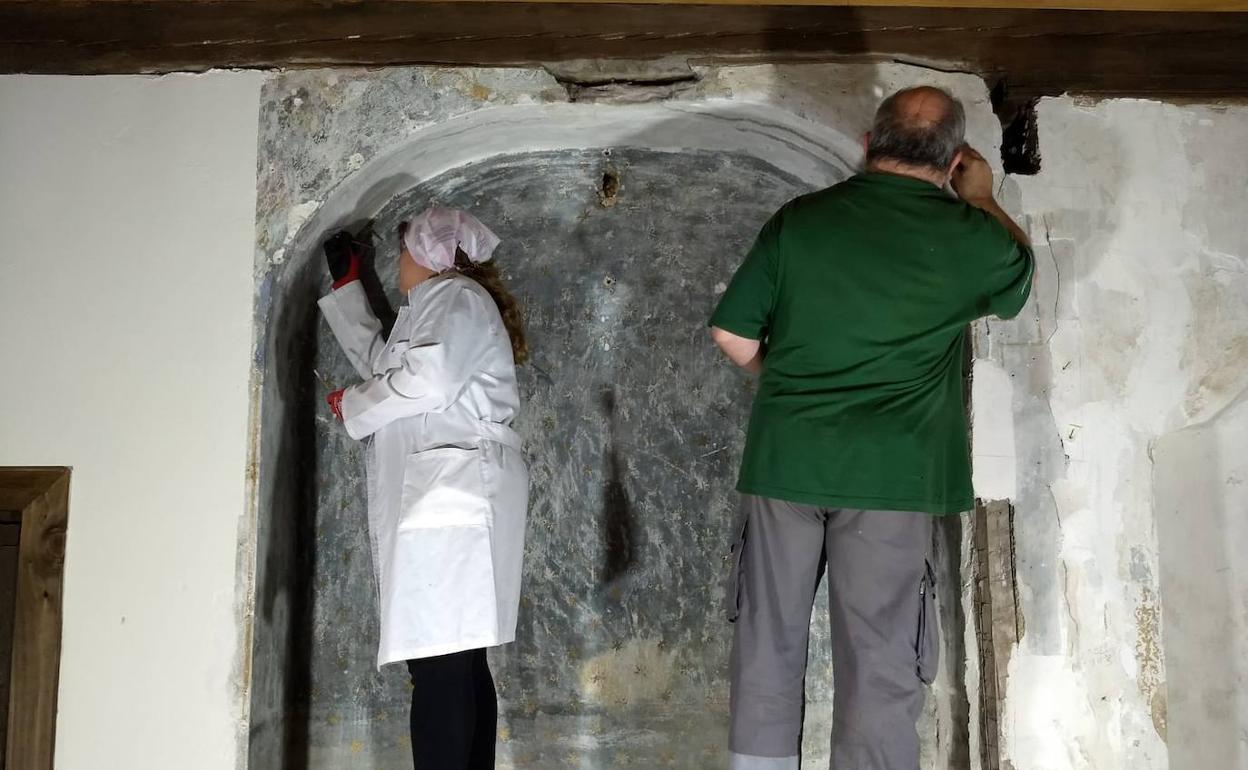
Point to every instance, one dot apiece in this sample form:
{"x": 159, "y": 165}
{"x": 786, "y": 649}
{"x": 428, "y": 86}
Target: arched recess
{"x": 291, "y": 468}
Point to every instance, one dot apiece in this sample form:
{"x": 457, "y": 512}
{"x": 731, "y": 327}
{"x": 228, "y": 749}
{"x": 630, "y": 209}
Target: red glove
{"x": 343, "y": 254}
{"x": 335, "y": 403}
{"x": 352, "y": 274}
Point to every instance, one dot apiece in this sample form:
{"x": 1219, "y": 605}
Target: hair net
{"x": 433, "y": 236}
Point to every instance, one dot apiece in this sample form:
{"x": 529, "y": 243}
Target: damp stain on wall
{"x": 1148, "y": 657}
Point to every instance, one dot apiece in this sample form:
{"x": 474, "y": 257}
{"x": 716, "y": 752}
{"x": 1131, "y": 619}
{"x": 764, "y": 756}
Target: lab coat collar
{"x": 420, "y": 289}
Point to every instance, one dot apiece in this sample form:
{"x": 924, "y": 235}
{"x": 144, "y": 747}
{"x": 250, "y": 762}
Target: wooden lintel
{"x": 1177, "y": 6}
{"x": 1214, "y": 6}
{"x": 1036, "y": 52}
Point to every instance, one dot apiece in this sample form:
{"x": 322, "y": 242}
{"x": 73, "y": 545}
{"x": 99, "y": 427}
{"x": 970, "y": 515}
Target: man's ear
{"x": 866, "y": 141}
{"x": 957, "y": 161}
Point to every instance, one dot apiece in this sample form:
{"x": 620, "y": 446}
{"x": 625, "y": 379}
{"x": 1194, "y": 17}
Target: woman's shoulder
{"x": 460, "y": 284}
{"x": 452, "y": 291}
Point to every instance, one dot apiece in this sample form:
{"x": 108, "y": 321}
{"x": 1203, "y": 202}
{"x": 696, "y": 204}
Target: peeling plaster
{"x": 1135, "y": 332}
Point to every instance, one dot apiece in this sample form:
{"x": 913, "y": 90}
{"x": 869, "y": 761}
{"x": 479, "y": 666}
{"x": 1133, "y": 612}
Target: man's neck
{"x": 886, "y": 166}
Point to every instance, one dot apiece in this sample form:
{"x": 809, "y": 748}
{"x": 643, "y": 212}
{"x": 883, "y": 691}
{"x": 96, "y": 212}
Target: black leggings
{"x": 454, "y": 712}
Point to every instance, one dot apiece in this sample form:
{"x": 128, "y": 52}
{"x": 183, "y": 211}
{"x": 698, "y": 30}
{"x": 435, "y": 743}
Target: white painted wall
{"x": 127, "y": 210}
{"x": 1139, "y": 330}
{"x": 1202, "y": 526}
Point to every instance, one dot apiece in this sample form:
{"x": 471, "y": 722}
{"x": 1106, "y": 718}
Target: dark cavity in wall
{"x": 1020, "y": 136}
{"x": 610, "y": 187}
{"x": 623, "y": 81}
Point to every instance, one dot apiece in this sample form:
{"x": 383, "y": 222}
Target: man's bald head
{"x": 923, "y": 127}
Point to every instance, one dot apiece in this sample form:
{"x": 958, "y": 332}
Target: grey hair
{"x": 902, "y": 138}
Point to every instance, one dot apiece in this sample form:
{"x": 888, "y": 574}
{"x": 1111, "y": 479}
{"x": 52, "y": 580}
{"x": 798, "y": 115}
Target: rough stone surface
{"x": 633, "y": 422}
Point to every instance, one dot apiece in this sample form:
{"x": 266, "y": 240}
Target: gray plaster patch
{"x": 1038, "y": 526}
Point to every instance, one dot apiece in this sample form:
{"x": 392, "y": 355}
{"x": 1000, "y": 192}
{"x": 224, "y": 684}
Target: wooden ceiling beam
{"x": 1215, "y": 6}
{"x": 1035, "y": 52}
{"x": 1181, "y": 6}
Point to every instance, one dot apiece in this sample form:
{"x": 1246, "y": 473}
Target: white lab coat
{"x": 447, "y": 484}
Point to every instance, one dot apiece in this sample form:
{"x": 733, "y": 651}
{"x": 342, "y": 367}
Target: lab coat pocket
{"x": 927, "y": 644}
{"x": 444, "y": 487}
{"x": 732, "y": 593}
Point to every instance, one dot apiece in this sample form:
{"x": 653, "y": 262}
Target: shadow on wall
{"x": 281, "y": 732}
{"x": 289, "y": 568}
{"x": 618, "y": 522}
{"x": 288, "y": 562}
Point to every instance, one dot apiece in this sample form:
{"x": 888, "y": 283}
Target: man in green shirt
{"x": 852, "y": 307}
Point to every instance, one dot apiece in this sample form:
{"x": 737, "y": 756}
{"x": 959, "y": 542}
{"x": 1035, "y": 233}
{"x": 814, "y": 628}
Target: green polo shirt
{"x": 862, "y": 294}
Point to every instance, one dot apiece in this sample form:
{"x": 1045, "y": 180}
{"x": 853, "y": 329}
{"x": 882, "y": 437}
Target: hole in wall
{"x": 609, "y": 189}
{"x": 1020, "y": 136}
{"x": 1020, "y": 142}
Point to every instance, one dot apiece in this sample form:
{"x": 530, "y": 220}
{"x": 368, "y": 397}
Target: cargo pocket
{"x": 927, "y": 643}
{"x": 732, "y": 592}
{"x": 444, "y": 487}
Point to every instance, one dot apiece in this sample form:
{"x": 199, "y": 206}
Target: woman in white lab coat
{"x": 447, "y": 483}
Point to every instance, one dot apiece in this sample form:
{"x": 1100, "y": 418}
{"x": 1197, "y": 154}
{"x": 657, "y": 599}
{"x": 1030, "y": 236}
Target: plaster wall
{"x": 1102, "y": 412}
{"x": 128, "y": 206}
{"x": 1198, "y": 479}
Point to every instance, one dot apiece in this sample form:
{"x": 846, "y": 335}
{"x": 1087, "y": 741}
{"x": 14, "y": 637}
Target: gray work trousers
{"x": 884, "y": 632}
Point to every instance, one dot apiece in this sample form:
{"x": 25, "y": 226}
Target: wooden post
{"x": 41, "y": 495}
{"x": 998, "y": 623}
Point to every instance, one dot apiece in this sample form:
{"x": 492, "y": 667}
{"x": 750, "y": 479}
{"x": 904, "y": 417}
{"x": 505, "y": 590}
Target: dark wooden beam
{"x": 1170, "y": 55}
{"x": 1217, "y": 6}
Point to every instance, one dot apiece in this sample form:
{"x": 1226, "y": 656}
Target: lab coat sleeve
{"x": 448, "y": 349}
{"x": 352, "y": 321}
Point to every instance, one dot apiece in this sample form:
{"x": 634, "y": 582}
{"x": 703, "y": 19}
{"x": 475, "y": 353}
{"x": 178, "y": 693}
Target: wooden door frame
{"x": 40, "y": 496}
